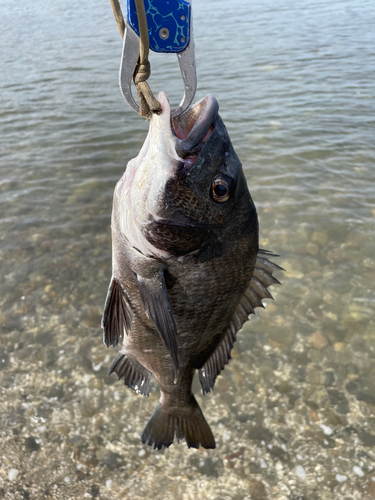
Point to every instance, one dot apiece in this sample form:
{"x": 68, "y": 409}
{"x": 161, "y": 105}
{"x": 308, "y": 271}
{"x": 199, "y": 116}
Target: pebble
{"x": 282, "y": 336}
{"x": 357, "y": 470}
{"x": 341, "y": 478}
{"x": 339, "y": 346}
{"x": 257, "y": 490}
{"x": 329, "y": 297}
{"x": 330, "y": 315}
{"x": 369, "y": 263}
{"x": 360, "y": 312}
{"x": 371, "y": 487}
{"x": 302, "y": 234}
{"x": 284, "y": 387}
{"x": 312, "y": 248}
{"x": 318, "y": 340}
{"x": 12, "y": 474}
{"x": 320, "y": 237}
{"x": 31, "y": 444}
{"x": 290, "y": 271}
{"x": 271, "y": 307}
{"x": 327, "y": 430}
{"x": 300, "y": 472}
{"x": 234, "y": 353}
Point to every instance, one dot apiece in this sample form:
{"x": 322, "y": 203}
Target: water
{"x": 293, "y": 414}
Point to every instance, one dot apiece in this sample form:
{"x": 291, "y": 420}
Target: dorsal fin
{"x": 252, "y": 298}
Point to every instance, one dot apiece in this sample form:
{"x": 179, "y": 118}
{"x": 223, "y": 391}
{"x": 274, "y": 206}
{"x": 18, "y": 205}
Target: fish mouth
{"x": 194, "y": 127}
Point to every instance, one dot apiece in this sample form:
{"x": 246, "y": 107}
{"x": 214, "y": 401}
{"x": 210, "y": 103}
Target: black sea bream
{"x": 187, "y": 270}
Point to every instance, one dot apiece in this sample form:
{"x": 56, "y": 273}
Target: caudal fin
{"x": 183, "y": 422}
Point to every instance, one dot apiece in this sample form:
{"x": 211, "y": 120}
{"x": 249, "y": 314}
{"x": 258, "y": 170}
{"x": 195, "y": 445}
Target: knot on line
{"x": 142, "y": 73}
{"x": 147, "y": 102}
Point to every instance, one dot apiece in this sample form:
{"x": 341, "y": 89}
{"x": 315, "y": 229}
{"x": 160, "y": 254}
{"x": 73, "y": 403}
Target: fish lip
{"x": 193, "y": 128}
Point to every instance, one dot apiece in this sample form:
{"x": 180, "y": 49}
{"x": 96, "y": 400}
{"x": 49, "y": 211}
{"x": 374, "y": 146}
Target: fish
{"x": 187, "y": 270}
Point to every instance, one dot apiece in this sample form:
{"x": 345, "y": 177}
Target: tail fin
{"x": 185, "y": 422}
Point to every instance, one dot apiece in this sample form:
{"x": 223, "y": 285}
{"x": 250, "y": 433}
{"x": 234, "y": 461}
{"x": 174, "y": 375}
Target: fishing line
{"x": 148, "y": 104}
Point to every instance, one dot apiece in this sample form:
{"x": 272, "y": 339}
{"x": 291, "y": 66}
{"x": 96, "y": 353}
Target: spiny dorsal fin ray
{"x": 136, "y": 376}
{"x": 157, "y": 303}
{"x": 117, "y": 315}
{"x": 264, "y": 277}
{"x": 252, "y": 298}
{"x": 259, "y": 289}
{"x": 264, "y": 262}
{"x": 245, "y": 301}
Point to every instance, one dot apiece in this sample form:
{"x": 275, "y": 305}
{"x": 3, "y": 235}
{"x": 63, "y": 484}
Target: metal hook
{"x": 162, "y": 39}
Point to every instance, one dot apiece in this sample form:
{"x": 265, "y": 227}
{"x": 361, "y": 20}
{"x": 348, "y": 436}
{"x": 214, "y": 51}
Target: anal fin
{"x": 136, "y": 376}
{"x": 157, "y": 303}
{"x": 117, "y": 315}
{"x": 252, "y": 298}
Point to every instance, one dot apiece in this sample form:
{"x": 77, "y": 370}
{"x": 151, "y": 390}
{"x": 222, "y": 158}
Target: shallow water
{"x": 293, "y": 413}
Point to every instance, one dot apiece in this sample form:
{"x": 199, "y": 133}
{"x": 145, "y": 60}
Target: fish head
{"x": 186, "y": 189}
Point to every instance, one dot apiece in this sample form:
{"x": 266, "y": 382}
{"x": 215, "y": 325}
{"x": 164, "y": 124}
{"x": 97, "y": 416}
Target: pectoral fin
{"x": 117, "y": 315}
{"x": 157, "y": 303}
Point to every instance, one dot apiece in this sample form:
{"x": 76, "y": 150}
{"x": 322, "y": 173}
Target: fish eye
{"x": 220, "y": 190}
